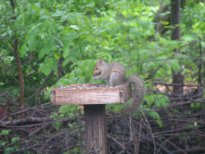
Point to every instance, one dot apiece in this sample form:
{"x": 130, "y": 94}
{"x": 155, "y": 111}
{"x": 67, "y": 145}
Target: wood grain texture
{"x": 95, "y": 129}
{"x": 90, "y": 94}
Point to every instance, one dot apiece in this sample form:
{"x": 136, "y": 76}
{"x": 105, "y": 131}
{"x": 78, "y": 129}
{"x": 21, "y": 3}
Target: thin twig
{"x": 150, "y": 129}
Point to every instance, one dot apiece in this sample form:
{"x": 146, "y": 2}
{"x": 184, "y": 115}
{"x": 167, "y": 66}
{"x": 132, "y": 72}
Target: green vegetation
{"x": 59, "y": 42}
{"x": 49, "y": 43}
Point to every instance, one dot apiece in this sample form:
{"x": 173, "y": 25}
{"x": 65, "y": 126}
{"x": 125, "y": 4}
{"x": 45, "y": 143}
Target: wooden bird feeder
{"x": 94, "y": 97}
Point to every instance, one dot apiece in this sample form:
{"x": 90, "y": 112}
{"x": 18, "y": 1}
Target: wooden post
{"x": 94, "y": 98}
{"x": 95, "y": 129}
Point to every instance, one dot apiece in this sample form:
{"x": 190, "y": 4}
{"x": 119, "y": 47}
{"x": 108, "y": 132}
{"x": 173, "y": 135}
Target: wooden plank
{"x": 91, "y": 94}
{"x": 95, "y": 129}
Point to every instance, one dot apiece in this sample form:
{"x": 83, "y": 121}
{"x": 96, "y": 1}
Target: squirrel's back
{"x": 114, "y": 72}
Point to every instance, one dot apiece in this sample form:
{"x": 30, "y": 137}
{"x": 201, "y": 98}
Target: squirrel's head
{"x": 99, "y": 68}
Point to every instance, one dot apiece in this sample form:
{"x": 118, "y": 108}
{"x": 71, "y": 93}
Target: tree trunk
{"x": 178, "y": 78}
{"x": 175, "y": 19}
{"x": 20, "y": 72}
{"x": 60, "y": 67}
{"x": 15, "y": 49}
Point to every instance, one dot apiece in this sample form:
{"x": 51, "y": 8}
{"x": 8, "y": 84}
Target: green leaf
{"x": 66, "y": 52}
{"x": 196, "y": 106}
{"x": 68, "y": 110}
{"x": 175, "y": 65}
{"x": 14, "y": 139}
{"x": 150, "y": 100}
{"x": 75, "y": 27}
{"x": 58, "y": 13}
{"x": 156, "y": 117}
{"x": 162, "y": 101}
{"x": 49, "y": 65}
{"x": 23, "y": 49}
{"x": 4, "y": 132}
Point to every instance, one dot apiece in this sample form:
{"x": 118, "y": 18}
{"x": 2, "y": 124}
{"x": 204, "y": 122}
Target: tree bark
{"x": 15, "y": 49}
{"x": 20, "y": 72}
{"x": 60, "y": 67}
{"x": 175, "y": 19}
{"x": 178, "y": 78}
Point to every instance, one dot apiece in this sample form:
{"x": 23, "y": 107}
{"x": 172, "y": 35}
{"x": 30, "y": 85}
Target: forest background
{"x": 51, "y": 43}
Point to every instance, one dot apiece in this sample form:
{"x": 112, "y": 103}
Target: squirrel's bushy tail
{"x": 138, "y": 91}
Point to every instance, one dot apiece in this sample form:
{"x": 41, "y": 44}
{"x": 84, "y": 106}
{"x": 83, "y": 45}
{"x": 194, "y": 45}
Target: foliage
{"x": 10, "y": 144}
{"x": 80, "y": 32}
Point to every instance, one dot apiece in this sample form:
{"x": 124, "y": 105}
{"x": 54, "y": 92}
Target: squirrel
{"x": 114, "y": 74}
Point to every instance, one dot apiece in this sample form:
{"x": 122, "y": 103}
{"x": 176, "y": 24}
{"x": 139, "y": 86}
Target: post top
{"x": 90, "y": 94}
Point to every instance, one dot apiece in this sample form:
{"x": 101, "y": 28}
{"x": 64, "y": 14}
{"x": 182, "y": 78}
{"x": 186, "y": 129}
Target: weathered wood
{"x": 91, "y": 94}
{"x": 95, "y": 129}
{"x": 93, "y": 97}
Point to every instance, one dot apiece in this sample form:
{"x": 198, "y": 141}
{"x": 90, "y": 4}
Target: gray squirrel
{"x": 114, "y": 74}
